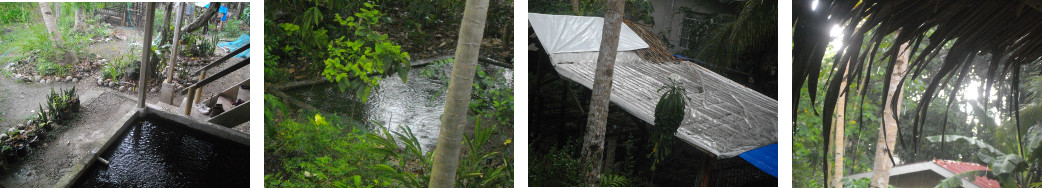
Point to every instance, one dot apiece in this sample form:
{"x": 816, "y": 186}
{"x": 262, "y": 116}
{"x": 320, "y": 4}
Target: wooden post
{"x": 177, "y": 38}
{"x": 199, "y": 92}
{"x": 146, "y": 49}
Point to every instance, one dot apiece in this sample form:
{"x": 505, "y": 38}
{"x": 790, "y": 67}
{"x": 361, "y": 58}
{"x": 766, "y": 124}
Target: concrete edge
{"x": 206, "y": 127}
{"x": 80, "y": 166}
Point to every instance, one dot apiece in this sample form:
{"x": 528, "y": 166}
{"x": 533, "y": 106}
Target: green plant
{"x": 560, "y": 167}
{"x": 493, "y": 95}
{"x": 60, "y": 106}
{"x": 612, "y": 180}
{"x": 322, "y": 152}
{"x": 45, "y": 67}
{"x": 669, "y": 113}
{"x": 360, "y": 63}
{"x": 116, "y": 68}
{"x": 16, "y": 12}
{"x": 1012, "y": 170}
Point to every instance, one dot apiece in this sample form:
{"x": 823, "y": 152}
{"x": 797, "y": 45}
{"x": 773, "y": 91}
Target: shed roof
{"x": 946, "y": 168}
{"x": 723, "y": 118}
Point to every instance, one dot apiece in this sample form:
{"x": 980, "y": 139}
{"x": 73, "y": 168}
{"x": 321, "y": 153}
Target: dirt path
{"x": 20, "y": 100}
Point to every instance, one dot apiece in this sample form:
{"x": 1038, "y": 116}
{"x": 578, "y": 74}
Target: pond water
{"x": 417, "y": 104}
{"x": 160, "y": 153}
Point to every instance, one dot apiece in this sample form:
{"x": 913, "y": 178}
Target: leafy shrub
{"x": 612, "y": 180}
{"x": 16, "y": 12}
{"x": 360, "y": 63}
{"x": 46, "y": 67}
{"x": 324, "y": 152}
{"x": 115, "y": 69}
{"x": 561, "y": 167}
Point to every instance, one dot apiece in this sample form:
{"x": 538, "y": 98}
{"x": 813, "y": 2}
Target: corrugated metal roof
{"x": 724, "y": 118}
{"x": 960, "y": 167}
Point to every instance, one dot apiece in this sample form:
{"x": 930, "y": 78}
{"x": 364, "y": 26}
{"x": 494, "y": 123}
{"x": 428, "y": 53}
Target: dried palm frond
{"x": 1008, "y": 31}
{"x": 656, "y": 51}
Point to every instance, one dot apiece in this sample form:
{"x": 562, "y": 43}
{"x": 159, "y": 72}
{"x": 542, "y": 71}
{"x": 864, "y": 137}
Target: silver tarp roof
{"x": 724, "y": 118}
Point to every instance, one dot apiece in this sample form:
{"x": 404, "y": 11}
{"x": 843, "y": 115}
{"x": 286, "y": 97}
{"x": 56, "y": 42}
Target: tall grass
{"x": 16, "y": 12}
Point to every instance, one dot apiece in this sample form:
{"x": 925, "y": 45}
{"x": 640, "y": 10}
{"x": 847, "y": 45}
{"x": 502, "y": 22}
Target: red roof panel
{"x": 960, "y": 167}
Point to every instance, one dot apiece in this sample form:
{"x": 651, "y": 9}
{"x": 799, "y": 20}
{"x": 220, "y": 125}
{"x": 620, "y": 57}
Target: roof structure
{"x": 944, "y": 168}
{"x": 723, "y": 118}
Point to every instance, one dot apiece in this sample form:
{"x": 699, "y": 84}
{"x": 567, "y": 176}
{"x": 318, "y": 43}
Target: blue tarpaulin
{"x": 765, "y": 158}
{"x": 232, "y": 46}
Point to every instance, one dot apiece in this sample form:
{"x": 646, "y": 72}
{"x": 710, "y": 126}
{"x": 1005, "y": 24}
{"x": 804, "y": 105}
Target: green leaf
{"x": 956, "y": 180}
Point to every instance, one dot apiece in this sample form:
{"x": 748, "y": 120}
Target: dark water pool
{"x": 160, "y": 153}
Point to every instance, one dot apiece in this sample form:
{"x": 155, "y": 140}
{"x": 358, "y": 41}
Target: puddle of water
{"x": 417, "y": 104}
{"x": 159, "y": 153}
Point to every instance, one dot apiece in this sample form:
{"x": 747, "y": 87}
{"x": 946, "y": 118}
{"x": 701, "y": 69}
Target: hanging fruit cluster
{"x": 669, "y": 112}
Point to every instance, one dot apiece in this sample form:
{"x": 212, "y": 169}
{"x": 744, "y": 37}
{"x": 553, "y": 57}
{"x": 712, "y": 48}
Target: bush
{"x": 359, "y": 63}
{"x": 116, "y": 68}
{"x": 561, "y": 167}
{"x": 326, "y": 153}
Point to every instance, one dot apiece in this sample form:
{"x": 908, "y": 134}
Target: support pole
{"x": 145, "y": 49}
{"x": 177, "y": 38}
{"x": 199, "y": 92}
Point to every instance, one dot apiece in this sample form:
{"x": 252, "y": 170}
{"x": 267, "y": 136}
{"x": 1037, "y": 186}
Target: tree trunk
{"x": 593, "y": 141}
{"x": 51, "y": 22}
{"x": 575, "y": 6}
{"x": 166, "y": 25}
{"x": 203, "y": 19}
{"x": 888, "y": 134}
{"x": 450, "y": 138}
{"x": 79, "y": 26}
{"x": 838, "y": 135}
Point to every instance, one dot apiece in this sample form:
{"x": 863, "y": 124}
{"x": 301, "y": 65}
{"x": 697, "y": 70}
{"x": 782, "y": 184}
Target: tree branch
{"x": 202, "y": 20}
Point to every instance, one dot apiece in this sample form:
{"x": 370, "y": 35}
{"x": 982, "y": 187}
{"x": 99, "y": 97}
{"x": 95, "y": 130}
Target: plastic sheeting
{"x": 559, "y": 33}
{"x": 232, "y": 46}
{"x": 723, "y": 118}
{"x": 765, "y": 158}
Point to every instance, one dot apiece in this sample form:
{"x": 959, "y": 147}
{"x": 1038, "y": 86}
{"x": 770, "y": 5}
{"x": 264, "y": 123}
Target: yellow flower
{"x": 319, "y": 120}
{"x": 507, "y": 142}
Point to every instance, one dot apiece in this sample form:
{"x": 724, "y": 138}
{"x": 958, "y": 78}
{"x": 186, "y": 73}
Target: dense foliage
{"x": 962, "y": 116}
{"x": 359, "y": 64}
{"x": 327, "y": 152}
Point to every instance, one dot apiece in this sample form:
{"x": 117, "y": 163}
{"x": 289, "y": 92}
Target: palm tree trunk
{"x": 888, "y": 134}
{"x": 51, "y": 22}
{"x": 450, "y": 138}
{"x": 593, "y": 141}
{"x": 838, "y": 135}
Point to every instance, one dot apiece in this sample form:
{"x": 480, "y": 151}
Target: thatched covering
{"x": 1008, "y": 32}
{"x": 656, "y": 51}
